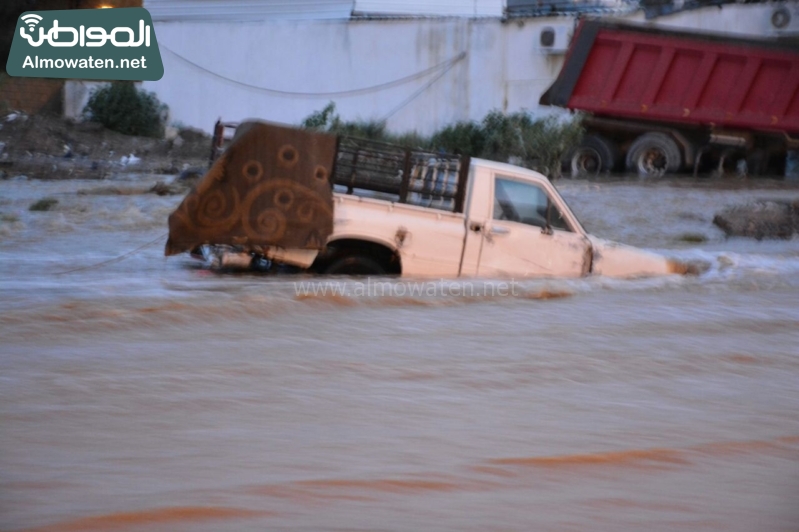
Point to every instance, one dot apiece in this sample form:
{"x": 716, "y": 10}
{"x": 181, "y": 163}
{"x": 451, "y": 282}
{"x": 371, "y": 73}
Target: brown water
{"x": 149, "y": 394}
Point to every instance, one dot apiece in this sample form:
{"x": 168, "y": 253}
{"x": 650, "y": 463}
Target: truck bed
{"x": 375, "y": 169}
{"x": 403, "y": 175}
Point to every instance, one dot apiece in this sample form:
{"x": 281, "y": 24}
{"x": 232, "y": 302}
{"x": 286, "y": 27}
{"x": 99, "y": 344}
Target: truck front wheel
{"x": 653, "y": 154}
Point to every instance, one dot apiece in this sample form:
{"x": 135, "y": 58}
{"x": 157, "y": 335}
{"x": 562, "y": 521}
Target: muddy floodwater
{"x": 149, "y": 394}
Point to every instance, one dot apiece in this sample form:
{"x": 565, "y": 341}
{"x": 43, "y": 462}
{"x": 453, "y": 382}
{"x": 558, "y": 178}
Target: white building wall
{"x": 503, "y": 67}
{"x": 238, "y": 10}
{"x": 215, "y": 69}
{"x": 456, "y": 8}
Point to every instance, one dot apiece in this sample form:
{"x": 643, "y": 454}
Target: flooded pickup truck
{"x": 283, "y": 196}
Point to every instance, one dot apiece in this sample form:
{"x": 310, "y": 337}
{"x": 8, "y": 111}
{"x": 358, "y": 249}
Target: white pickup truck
{"x": 355, "y": 207}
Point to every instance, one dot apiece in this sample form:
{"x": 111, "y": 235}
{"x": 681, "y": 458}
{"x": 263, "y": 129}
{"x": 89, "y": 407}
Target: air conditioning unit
{"x": 554, "y": 39}
{"x": 784, "y": 19}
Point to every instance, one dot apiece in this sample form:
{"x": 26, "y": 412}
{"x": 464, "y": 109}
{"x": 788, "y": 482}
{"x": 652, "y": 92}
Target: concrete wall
{"x": 31, "y": 95}
{"x": 76, "y": 96}
{"x": 221, "y": 69}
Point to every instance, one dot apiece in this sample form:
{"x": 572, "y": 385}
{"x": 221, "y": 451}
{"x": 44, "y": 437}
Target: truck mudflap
{"x": 271, "y": 188}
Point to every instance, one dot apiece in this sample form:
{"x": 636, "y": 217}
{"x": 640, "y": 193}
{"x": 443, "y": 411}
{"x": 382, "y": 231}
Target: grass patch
{"x": 8, "y": 218}
{"x": 44, "y": 204}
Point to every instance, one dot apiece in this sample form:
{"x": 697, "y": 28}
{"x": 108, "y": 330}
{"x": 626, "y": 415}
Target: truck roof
{"x": 509, "y": 168}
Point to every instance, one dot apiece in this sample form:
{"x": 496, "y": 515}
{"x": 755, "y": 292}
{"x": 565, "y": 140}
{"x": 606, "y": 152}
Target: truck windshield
{"x": 525, "y": 203}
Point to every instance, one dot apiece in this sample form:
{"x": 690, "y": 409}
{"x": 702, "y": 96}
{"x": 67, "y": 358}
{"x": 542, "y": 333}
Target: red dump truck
{"x": 661, "y": 101}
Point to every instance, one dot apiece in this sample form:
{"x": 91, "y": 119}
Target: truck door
{"x": 527, "y": 235}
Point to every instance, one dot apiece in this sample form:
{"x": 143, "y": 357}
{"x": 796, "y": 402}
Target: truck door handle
{"x": 499, "y": 231}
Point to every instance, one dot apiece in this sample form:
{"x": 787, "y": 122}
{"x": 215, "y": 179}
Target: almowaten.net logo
{"x": 101, "y": 44}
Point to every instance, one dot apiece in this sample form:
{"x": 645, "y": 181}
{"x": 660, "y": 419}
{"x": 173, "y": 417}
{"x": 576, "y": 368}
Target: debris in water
{"x": 129, "y": 160}
{"x": 760, "y": 219}
{"x": 692, "y": 238}
{"x": 162, "y": 189}
{"x": 44, "y": 204}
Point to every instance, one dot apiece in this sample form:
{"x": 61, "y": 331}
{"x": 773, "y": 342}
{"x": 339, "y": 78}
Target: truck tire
{"x": 654, "y": 154}
{"x": 595, "y": 154}
{"x": 354, "y": 264}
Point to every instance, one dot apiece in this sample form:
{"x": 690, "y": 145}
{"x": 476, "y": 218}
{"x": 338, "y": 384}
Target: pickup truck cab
{"x": 402, "y": 212}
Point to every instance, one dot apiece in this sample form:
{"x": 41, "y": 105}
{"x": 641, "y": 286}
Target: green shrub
{"x": 321, "y": 120}
{"x": 366, "y": 130}
{"x": 329, "y": 121}
{"x": 122, "y": 107}
{"x": 411, "y": 140}
{"x": 538, "y": 144}
{"x": 503, "y": 135}
{"x": 462, "y": 138}
{"x": 546, "y": 141}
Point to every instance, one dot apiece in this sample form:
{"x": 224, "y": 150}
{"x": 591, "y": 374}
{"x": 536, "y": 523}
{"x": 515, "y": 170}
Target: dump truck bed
{"x": 646, "y": 73}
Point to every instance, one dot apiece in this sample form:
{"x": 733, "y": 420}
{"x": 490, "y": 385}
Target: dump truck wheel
{"x": 585, "y": 162}
{"x": 355, "y": 265}
{"x": 654, "y": 154}
{"x": 595, "y": 154}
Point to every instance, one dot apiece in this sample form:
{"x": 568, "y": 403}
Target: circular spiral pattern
{"x": 252, "y": 171}
{"x": 270, "y": 224}
{"x": 288, "y": 156}
{"x": 320, "y": 173}
{"x": 263, "y": 198}
{"x": 284, "y": 198}
{"x": 212, "y": 209}
{"x": 305, "y": 211}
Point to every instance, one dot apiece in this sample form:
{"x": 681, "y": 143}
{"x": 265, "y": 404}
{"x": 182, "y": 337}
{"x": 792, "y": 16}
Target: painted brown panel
{"x": 271, "y": 187}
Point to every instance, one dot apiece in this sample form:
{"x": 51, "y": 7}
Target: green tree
{"x": 121, "y": 107}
